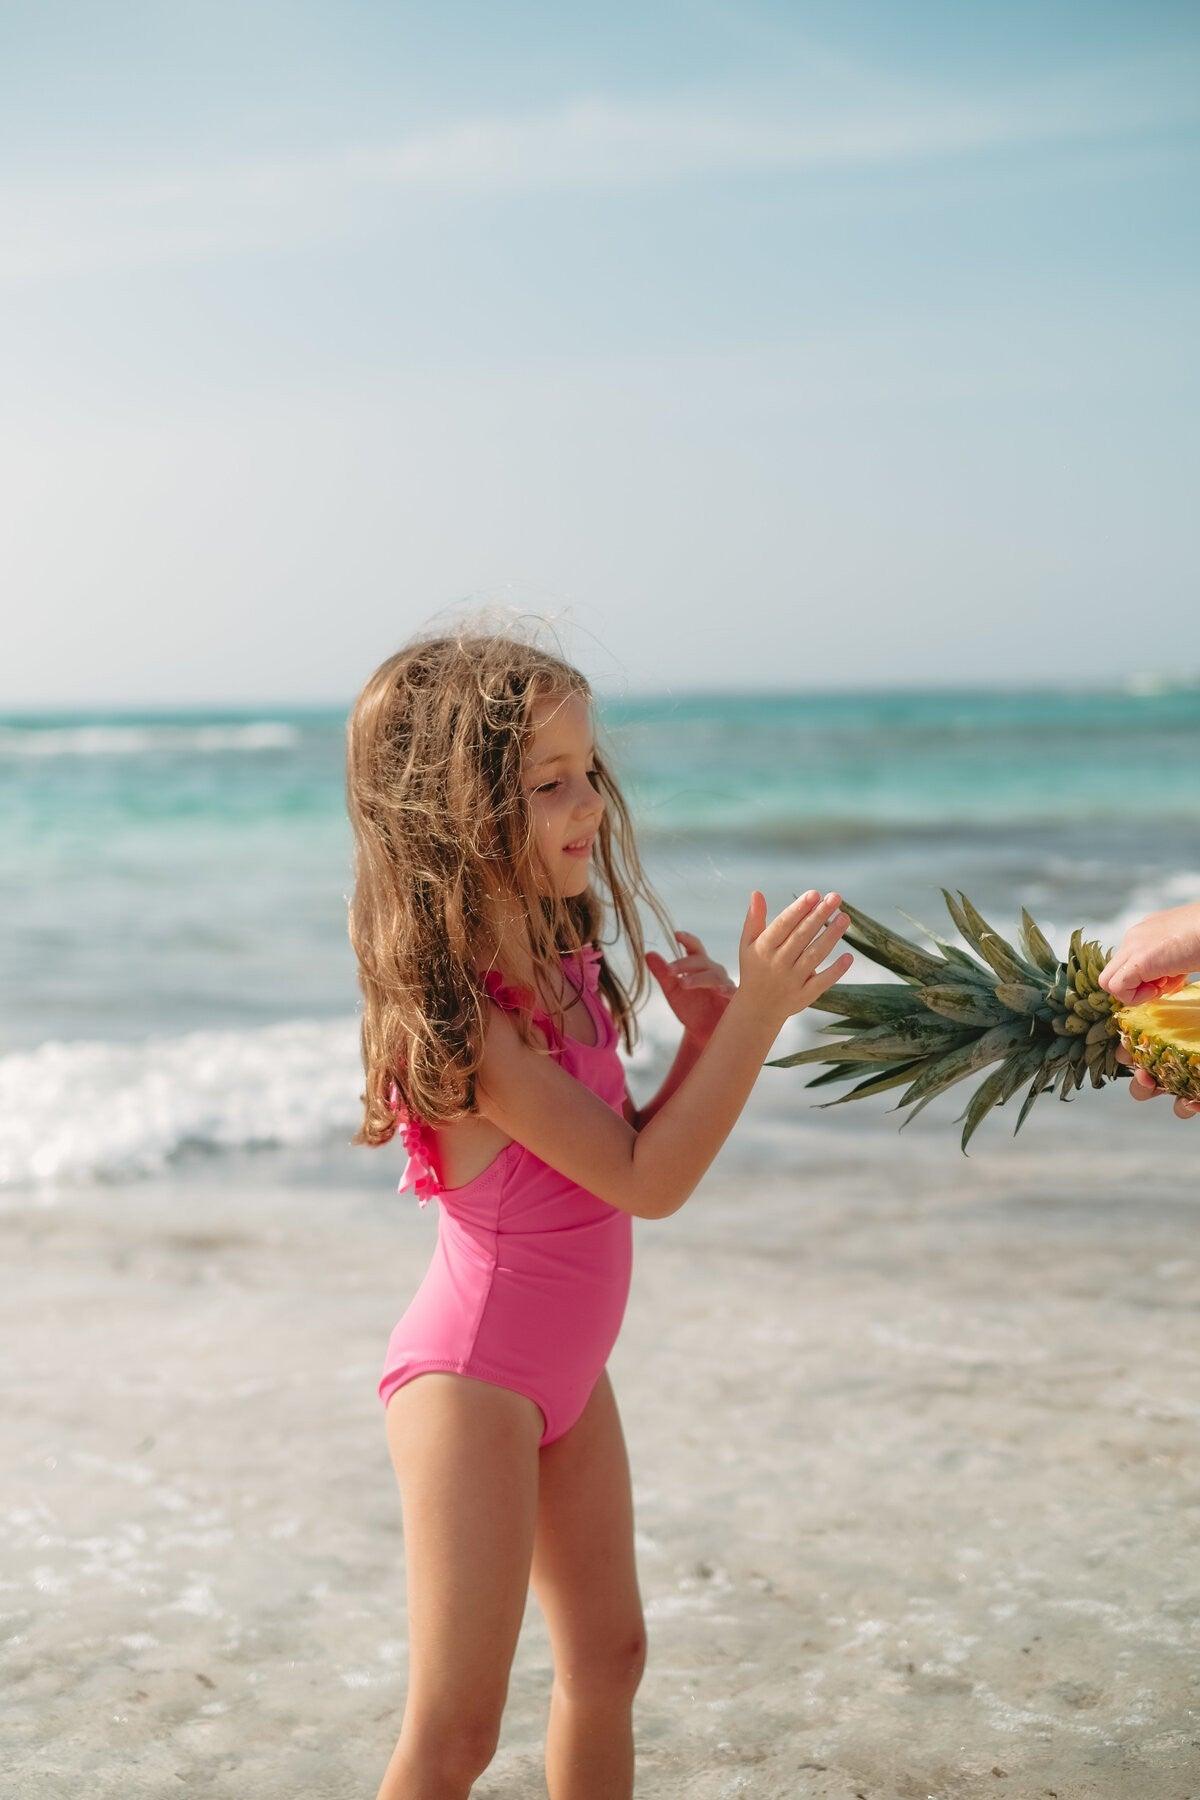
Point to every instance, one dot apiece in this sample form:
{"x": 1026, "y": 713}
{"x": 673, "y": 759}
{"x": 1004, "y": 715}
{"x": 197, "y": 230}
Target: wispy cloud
{"x": 591, "y": 143}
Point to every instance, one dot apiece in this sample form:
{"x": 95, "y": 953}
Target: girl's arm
{"x": 686, "y": 1058}
{"x": 651, "y": 1172}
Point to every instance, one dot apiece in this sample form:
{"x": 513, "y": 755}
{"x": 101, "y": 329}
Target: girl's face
{"x": 560, "y": 783}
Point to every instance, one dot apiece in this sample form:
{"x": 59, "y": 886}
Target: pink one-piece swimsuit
{"x": 530, "y": 1275}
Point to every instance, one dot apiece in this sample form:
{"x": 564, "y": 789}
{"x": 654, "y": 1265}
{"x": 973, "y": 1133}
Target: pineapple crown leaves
{"x": 1036, "y": 947}
{"x": 1038, "y": 1017}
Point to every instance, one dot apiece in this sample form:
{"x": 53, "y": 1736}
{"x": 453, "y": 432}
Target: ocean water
{"x": 177, "y": 980}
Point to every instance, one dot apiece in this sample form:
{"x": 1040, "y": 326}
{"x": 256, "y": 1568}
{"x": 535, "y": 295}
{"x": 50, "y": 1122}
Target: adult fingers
{"x": 1171, "y": 985}
{"x": 1126, "y": 981}
{"x": 1121, "y": 976}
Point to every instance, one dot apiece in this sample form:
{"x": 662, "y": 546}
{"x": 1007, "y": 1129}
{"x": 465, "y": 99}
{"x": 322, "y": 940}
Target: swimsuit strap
{"x": 590, "y": 958}
{"x": 512, "y": 996}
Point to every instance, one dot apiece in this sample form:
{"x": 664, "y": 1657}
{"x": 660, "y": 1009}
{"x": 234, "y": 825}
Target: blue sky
{"x": 807, "y": 345}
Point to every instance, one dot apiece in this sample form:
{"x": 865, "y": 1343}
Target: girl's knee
{"x": 606, "y": 1671}
{"x": 451, "y": 1749}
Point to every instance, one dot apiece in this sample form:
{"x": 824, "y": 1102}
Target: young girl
{"x": 485, "y": 818}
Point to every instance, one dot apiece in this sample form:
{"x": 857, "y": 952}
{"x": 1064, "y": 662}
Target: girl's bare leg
{"x": 585, "y": 1580}
{"x": 465, "y": 1453}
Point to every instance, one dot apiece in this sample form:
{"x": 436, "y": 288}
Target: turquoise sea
{"x": 177, "y": 981}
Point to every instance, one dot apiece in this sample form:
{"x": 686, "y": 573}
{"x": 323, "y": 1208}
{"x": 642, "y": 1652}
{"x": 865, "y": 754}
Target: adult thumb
{"x": 753, "y": 923}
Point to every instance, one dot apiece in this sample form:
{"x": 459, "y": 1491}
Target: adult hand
{"x": 1155, "y": 957}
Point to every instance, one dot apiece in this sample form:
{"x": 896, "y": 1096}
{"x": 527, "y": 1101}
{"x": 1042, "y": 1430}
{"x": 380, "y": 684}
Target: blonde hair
{"x": 434, "y": 749}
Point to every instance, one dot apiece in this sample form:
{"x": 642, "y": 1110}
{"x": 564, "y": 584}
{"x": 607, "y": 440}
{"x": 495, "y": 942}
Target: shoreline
{"x": 912, "y": 1440}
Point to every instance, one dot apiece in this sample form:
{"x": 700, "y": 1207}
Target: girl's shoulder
{"x": 422, "y": 1174}
{"x": 513, "y": 995}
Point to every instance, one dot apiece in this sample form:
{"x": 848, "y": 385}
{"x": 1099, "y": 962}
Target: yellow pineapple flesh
{"x": 1163, "y": 1037}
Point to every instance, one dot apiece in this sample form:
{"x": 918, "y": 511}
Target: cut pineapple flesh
{"x": 1176, "y": 1019}
{"x": 1163, "y": 1037}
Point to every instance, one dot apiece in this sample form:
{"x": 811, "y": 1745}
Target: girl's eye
{"x": 549, "y": 786}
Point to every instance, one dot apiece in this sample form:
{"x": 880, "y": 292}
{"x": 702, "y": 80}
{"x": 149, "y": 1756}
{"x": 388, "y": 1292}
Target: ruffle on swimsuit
{"x": 420, "y": 1172}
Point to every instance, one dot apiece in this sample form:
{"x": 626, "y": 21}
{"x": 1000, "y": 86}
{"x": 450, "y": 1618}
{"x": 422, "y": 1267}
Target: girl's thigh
{"x": 584, "y": 1571}
{"x": 465, "y": 1452}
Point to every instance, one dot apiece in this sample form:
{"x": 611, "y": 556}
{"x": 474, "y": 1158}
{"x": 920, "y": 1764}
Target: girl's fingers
{"x": 825, "y": 978}
{"x": 713, "y": 978}
{"x": 823, "y": 941}
{"x": 805, "y": 930}
{"x": 780, "y": 929}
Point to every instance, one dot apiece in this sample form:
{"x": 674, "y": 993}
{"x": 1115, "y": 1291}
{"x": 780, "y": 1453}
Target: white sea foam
{"x": 138, "y": 740}
{"x": 92, "y": 1110}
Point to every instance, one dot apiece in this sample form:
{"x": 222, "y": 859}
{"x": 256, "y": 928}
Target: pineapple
{"x": 1042, "y": 1021}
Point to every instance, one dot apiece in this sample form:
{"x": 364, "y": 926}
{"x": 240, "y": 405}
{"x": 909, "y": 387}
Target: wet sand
{"x": 914, "y": 1443}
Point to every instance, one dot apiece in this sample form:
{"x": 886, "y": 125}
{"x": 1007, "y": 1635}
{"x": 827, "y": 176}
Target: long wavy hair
{"x": 434, "y": 748}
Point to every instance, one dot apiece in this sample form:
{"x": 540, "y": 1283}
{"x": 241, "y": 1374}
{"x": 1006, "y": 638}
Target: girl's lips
{"x": 582, "y": 850}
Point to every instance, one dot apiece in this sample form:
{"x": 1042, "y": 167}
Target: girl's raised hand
{"x": 696, "y": 988}
{"x": 779, "y": 962}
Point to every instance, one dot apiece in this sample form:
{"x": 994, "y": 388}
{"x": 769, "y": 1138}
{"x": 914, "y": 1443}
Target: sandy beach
{"x": 915, "y": 1473}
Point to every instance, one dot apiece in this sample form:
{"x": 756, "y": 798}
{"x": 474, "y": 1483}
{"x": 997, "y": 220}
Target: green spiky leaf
{"x": 994, "y": 1090}
{"x": 886, "y": 947}
{"x": 967, "y": 1005}
{"x": 869, "y": 1001}
{"x": 994, "y": 949}
{"x": 1037, "y": 949}
{"x": 962, "y": 1061}
{"x": 886, "y": 1043}
{"x": 874, "y": 1084}
{"x": 1020, "y": 999}
{"x": 953, "y": 954}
